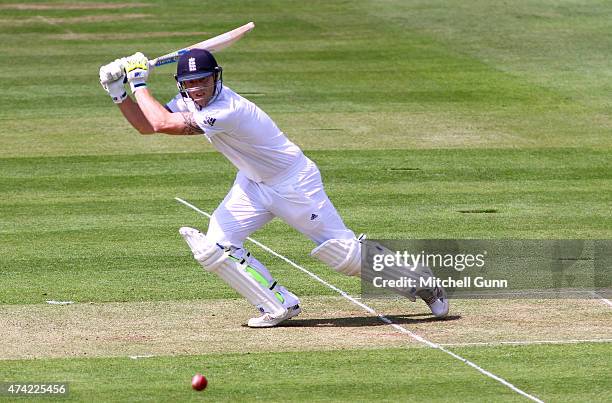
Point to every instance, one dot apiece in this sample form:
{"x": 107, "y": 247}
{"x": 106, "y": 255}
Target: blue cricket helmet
{"x": 196, "y": 64}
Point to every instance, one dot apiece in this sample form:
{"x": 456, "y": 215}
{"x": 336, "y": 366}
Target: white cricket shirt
{"x": 245, "y": 134}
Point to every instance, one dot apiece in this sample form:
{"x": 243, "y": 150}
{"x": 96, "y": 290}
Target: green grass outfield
{"x": 105, "y": 228}
{"x": 359, "y": 375}
{"x": 413, "y": 110}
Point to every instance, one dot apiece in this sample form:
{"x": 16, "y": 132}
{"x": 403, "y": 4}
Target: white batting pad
{"x": 216, "y": 260}
{"x": 343, "y": 255}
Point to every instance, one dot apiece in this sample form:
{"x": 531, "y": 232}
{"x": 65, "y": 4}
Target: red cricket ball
{"x": 199, "y": 382}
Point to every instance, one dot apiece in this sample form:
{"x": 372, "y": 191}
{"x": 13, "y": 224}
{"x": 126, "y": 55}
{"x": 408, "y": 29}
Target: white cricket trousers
{"x": 298, "y": 198}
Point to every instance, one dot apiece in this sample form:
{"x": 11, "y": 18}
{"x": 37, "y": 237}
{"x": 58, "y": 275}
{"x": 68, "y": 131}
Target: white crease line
{"x": 383, "y": 318}
{"x": 137, "y": 357}
{"x": 526, "y": 342}
{"x": 605, "y": 300}
{"x": 52, "y": 302}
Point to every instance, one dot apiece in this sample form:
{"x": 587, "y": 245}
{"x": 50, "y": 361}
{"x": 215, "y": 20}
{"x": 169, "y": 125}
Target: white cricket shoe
{"x": 269, "y": 320}
{"x": 436, "y": 301}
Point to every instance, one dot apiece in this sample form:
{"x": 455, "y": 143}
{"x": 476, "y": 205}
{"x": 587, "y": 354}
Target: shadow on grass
{"x": 361, "y": 321}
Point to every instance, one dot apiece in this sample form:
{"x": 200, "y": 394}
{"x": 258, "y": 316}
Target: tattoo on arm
{"x": 191, "y": 127}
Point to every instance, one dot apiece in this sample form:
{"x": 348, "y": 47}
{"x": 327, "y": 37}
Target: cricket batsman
{"x": 274, "y": 179}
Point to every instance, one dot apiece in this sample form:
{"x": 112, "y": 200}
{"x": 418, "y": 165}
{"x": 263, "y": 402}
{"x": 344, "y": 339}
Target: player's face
{"x": 200, "y": 90}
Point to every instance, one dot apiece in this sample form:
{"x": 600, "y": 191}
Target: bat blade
{"x": 214, "y": 44}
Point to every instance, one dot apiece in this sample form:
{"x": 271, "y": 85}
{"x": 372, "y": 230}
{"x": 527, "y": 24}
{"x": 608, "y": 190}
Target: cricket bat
{"x": 215, "y": 44}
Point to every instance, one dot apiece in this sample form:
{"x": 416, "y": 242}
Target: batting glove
{"x": 116, "y": 90}
{"x": 137, "y": 71}
{"x": 112, "y": 71}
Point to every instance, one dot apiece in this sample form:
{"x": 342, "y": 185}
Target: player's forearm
{"x": 133, "y": 114}
{"x": 156, "y": 115}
